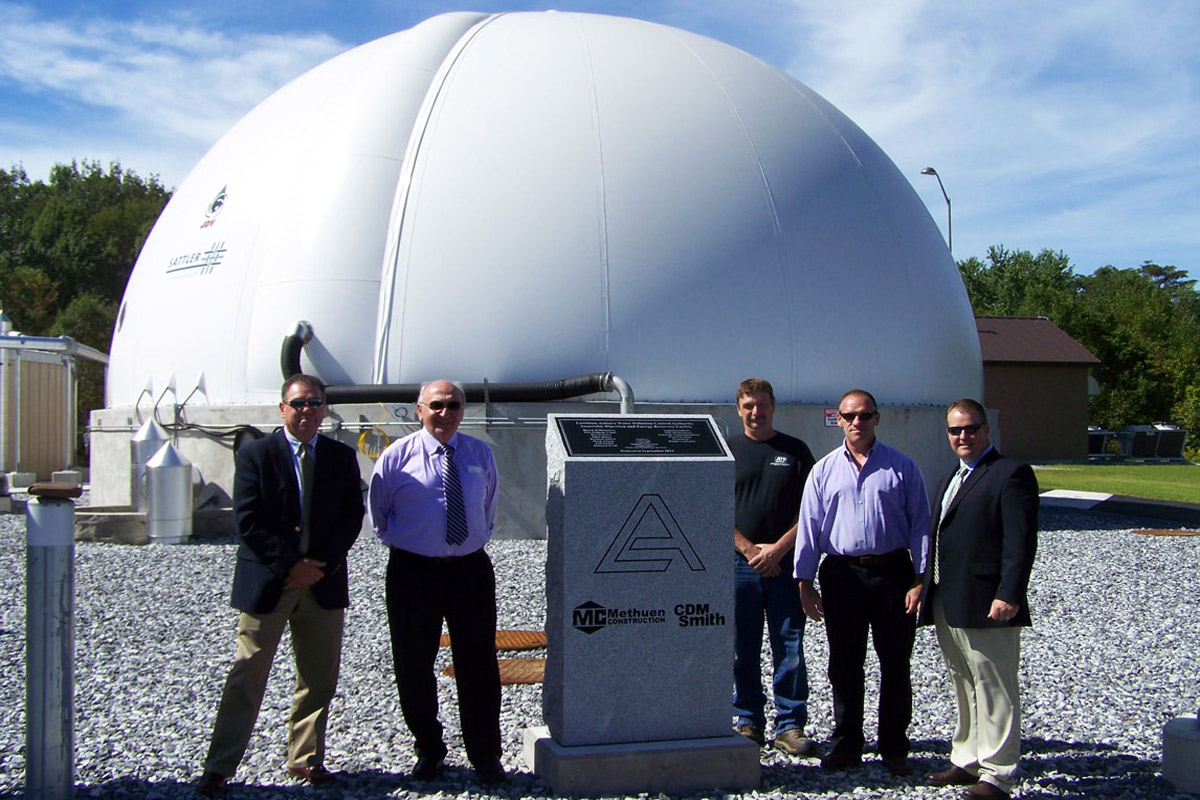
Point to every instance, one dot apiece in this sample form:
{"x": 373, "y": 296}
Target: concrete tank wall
{"x": 516, "y": 432}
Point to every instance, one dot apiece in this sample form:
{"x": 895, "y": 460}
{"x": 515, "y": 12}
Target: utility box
{"x": 37, "y": 412}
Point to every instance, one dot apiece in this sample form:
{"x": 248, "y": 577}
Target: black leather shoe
{"x": 898, "y": 765}
{"x": 428, "y": 768}
{"x": 210, "y": 783}
{"x": 491, "y": 773}
{"x": 837, "y": 761}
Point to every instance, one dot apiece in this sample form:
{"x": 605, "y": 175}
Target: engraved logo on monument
{"x": 649, "y": 541}
{"x": 590, "y": 617}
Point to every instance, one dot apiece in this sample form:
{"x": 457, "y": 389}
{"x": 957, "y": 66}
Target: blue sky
{"x": 1068, "y": 125}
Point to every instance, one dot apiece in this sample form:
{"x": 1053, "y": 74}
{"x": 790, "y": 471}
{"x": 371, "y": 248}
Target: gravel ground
{"x": 1111, "y": 657}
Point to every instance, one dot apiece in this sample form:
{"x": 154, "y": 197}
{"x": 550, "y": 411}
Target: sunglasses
{"x": 958, "y": 430}
{"x": 850, "y": 416}
{"x": 306, "y": 402}
{"x": 438, "y": 405}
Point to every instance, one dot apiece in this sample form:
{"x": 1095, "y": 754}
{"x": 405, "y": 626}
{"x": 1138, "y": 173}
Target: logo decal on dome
{"x": 214, "y": 208}
{"x": 198, "y": 263}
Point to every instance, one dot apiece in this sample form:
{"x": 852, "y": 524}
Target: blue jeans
{"x": 780, "y": 598}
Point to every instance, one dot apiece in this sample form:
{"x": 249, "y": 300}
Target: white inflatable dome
{"x": 536, "y": 196}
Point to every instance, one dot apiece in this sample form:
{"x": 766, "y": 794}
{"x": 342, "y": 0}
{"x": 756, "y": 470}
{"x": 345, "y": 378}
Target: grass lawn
{"x": 1177, "y": 482}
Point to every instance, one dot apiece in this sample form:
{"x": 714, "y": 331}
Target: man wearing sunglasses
{"x": 433, "y": 501}
{"x": 297, "y": 501}
{"x": 984, "y": 537}
{"x": 866, "y": 510}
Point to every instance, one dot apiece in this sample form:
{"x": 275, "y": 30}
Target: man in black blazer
{"x": 983, "y": 539}
{"x": 298, "y": 507}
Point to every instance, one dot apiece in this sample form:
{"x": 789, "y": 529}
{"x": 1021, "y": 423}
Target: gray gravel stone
{"x": 1110, "y": 658}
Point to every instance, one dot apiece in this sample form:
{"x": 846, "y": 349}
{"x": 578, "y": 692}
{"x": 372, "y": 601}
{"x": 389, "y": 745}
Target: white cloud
{"x": 144, "y": 87}
{"x": 1074, "y": 126}
{"x": 1048, "y": 121}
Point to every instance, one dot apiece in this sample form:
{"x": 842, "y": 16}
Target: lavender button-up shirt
{"x": 852, "y": 512}
{"x": 407, "y": 501}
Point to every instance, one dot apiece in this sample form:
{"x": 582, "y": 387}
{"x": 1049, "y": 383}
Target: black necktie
{"x": 306, "y": 481}
{"x": 456, "y": 512}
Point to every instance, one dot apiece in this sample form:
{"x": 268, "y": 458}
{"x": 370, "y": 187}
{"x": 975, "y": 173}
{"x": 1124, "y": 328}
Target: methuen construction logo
{"x": 590, "y": 617}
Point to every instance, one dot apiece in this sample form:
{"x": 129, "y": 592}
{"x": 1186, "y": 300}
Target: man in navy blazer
{"x": 298, "y": 508}
{"x": 983, "y": 540}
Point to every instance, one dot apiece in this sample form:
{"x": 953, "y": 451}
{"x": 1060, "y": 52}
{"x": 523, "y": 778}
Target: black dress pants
{"x": 861, "y": 595}
{"x": 421, "y": 593}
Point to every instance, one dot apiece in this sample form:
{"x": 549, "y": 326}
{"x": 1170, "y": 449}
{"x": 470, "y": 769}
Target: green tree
{"x": 88, "y": 320}
{"x": 67, "y": 247}
{"x": 1143, "y": 324}
{"x": 1018, "y": 283}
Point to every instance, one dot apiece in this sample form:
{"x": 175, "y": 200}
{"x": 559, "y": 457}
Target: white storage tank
{"x": 535, "y": 196}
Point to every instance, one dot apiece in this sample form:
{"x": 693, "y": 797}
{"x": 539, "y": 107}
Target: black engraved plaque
{"x": 659, "y": 437}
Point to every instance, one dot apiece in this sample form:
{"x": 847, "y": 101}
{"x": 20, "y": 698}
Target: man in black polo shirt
{"x": 770, "y": 471}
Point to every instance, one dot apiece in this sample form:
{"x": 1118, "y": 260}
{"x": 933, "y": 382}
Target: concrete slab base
{"x": 1181, "y": 754}
{"x": 677, "y": 766}
{"x": 21, "y": 480}
{"x": 123, "y": 525}
{"x": 71, "y": 476}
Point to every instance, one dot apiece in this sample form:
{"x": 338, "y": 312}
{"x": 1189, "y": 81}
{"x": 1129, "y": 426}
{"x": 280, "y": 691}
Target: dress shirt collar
{"x": 295, "y": 443}
{"x": 971, "y": 467}
{"x": 432, "y": 445}
{"x": 850, "y": 456}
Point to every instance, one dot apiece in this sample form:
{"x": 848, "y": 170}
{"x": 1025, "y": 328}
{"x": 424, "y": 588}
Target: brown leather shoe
{"x": 752, "y": 732}
{"x": 794, "y": 743}
{"x": 210, "y": 783}
{"x": 898, "y": 765}
{"x": 955, "y": 776}
{"x": 982, "y": 790}
{"x": 316, "y": 774}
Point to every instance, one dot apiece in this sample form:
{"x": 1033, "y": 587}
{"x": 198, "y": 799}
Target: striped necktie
{"x": 456, "y": 512}
{"x": 955, "y": 484}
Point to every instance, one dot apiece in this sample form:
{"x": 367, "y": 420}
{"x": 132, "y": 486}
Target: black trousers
{"x": 859, "y": 597}
{"x": 421, "y": 593}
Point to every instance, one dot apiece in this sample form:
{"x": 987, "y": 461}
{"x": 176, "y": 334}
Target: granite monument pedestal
{"x": 639, "y": 624}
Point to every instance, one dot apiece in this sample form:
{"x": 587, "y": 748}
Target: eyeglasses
{"x": 438, "y": 405}
{"x": 850, "y": 416}
{"x": 958, "y": 430}
{"x": 301, "y": 403}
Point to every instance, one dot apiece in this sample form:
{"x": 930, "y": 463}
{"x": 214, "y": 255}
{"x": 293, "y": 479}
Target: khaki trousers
{"x": 317, "y": 644}
{"x": 984, "y": 665}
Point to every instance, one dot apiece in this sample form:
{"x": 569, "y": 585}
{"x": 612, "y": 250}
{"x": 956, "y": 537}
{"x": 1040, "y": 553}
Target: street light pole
{"x": 949, "y": 222}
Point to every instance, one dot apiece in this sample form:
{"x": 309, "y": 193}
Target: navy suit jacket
{"x": 985, "y": 544}
{"x": 266, "y": 506}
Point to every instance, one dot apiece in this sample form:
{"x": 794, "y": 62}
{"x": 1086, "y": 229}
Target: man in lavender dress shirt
{"x": 865, "y": 508}
{"x": 438, "y": 570}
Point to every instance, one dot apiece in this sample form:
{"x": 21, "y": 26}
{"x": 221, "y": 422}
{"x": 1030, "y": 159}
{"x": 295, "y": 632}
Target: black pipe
{"x": 293, "y": 343}
{"x": 531, "y": 392}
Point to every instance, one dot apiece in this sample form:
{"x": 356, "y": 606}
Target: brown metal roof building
{"x": 1036, "y": 377}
